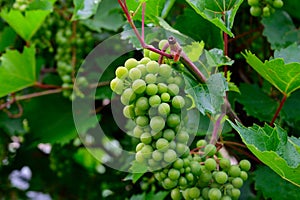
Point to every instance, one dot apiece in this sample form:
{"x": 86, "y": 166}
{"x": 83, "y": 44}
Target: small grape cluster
{"x": 264, "y": 7}
{"x": 21, "y": 5}
{"x": 153, "y": 97}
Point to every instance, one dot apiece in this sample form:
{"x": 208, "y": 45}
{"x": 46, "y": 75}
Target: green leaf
{"x": 26, "y": 26}
{"x": 41, "y": 5}
{"x": 280, "y": 30}
{"x": 208, "y": 97}
{"x": 291, "y": 109}
{"x": 273, "y": 147}
{"x": 7, "y": 38}
{"x": 278, "y": 188}
{"x": 194, "y": 50}
{"x": 260, "y": 105}
{"x": 107, "y": 17}
{"x": 87, "y": 160}
{"x": 154, "y": 9}
{"x": 17, "y": 70}
{"x": 84, "y": 9}
{"x": 219, "y": 12}
{"x": 137, "y": 170}
{"x": 216, "y": 58}
{"x": 285, "y": 77}
{"x": 289, "y": 54}
{"x": 12, "y": 126}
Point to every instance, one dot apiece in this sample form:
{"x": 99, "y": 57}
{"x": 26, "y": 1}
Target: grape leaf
{"x": 260, "y": 105}
{"x": 216, "y": 58}
{"x": 274, "y": 148}
{"x": 41, "y": 5}
{"x": 285, "y": 77}
{"x": 84, "y": 8}
{"x": 278, "y": 188}
{"x": 279, "y": 29}
{"x": 194, "y": 50}
{"x": 291, "y": 109}
{"x": 17, "y": 70}
{"x": 107, "y": 17}
{"x": 12, "y": 126}
{"x": 26, "y": 26}
{"x": 219, "y": 12}
{"x": 7, "y": 38}
{"x": 137, "y": 170}
{"x": 87, "y": 160}
{"x": 154, "y": 8}
{"x": 289, "y": 54}
{"x": 208, "y": 97}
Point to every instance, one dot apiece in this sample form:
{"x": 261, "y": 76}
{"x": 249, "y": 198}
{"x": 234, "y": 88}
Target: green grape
{"x": 131, "y": 63}
{"x": 162, "y": 43}
{"x": 139, "y": 112}
{"x": 278, "y": 3}
{"x": 253, "y": 2}
{"x": 142, "y": 121}
{"x": 221, "y": 177}
{"x": 173, "y": 120}
{"x": 235, "y": 193}
{"x": 165, "y": 97}
{"x": 162, "y": 145}
{"x": 190, "y": 177}
{"x": 173, "y": 89}
{"x": 174, "y": 174}
{"x": 144, "y": 60}
{"x": 204, "y": 192}
{"x": 162, "y": 88}
{"x": 121, "y": 72}
{"x": 150, "y": 78}
{"x": 196, "y": 168}
{"x": 66, "y": 78}
{"x": 151, "y": 89}
{"x": 245, "y": 165}
{"x": 81, "y": 81}
{"x": 147, "y": 151}
{"x": 139, "y": 86}
{"x": 165, "y": 70}
{"x": 154, "y": 101}
{"x": 201, "y": 143}
{"x": 244, "y": 175}
{"x": 146, "y": 138}
{"x": 146, "y": 52}
{"x": 117, "y": 85}
{"x": 206, "y": 176}
{"x": 128, "y": 111}
{"x": 255, "y": 11}
{"x": 169, "y": 134}
{"x": 142, "y": 68}
{"x": 137, "y": 131}
{"x": 224, "y": 163}
{"x": 178, "y": 81}
{"x": 152, "y": 67}
{"x": 169, "y": 184}
{"x": 266, "y": 11}
{"x": 157, "y": 123}
{"x": 214, "y": 194}
{"x": 234, "y": 171}
{"x": 237, "y": 182}
{"x": 181, "y": 148}
{"x": 226, "y": 197}
{"x": 157, "y": 155}
{"x": 139, "y": 146}
{"x": 210, "y": 164}
{"x": 153, "y": 55}
{"x": 182, "y": 137}
{"x": 170, "y": 156}
{"x": 142, "y": 103}
{"x": 194, "y": 192}
{"x": 164, "y": 109}
{"x": 178, "y": 102}
{"x": 182, "y": 182}
{"x": 139, "y": 157}
{"x": 175, "y": 194}
{"x": 135, "y": 74}
{"x": 210, "y": 150}
{"x": 178, "y": 164}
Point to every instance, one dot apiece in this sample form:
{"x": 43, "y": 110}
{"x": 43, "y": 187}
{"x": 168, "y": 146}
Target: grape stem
{"x": 214, "y": 136}
{"x": 278, "y": 110}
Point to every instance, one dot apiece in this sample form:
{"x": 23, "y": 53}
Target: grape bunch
{"x": 153, "y": 97}
{"x": 264, "y": 7}
{"x": 21, "y": 5}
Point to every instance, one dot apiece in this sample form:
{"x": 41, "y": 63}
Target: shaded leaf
{"x": 12, "y": 126}
{"x": 260, "y": 105}
{"x": 285, "y": 77}
{"x": 291, "y": 109}
{"x": 17, "y": 70}
{"x": 289, "y": 54}
{"x": 273, "y": 147}
{"x": 25, "y": 25}
{"x": 7, "y": 38}
{"x": 84, "y": 8}
{"x": 219, "y": 12}
{"x": 216, "y": 58}
{"x": 194, "y": 50}
{"x": 87, "y": 160}
{"x": 278, "y": 188}
{"x": 41, "y": 5}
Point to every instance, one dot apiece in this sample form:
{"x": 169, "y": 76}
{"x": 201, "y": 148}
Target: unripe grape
{"x": 146, "y": 138}
{"x": 165, "y": 97}
{"x": 234, "y": 171}
{"x": 139, "y": 146}
{"x": 151, "y": 89}
{"x": 154, "y": 101}
{"x": 178, "y": 81}
{"x": 224, "y": 163}
{"x": 174, "y": 174}
{"x": 182, "y": 137}
{"x": 142, "y": 68}
{"x": 165, "y": 70}
{"x": 190, "y": 177}
{"x": 147, "y": 151}
{"x": 128, "y": 96}
{"x": 235, "y": 193}
{"x": 164, "y": 109}
{"x": 139, "y": 157}
{"x": 278, "y": 3}
{"x": 255, "y": 11}
{"x": 162, "y": 88}
{"x": 201, "y": 143}
{"x": 206, "y": 176}
{"x": 128, "y": 111}
{"x": 170, "y": 156}
{"x": 178, "y": 102}
{"x": 182, "y": 182}
{"x": 137, "y": 131}
{"x": 139, "y": 86}
{"x": 173, "y": 120}
{"x": 194, "y": 192}
{"x": 173, "y": 89}
{"x": 157, "y": 123}
{"x": 253, "y": 2}
{"x": 150, "y": 78}
{"x": 175, "y": 194}
{"x": 152, "y": 67}
{"x": 142, "y": 103}
{"x": 162, "y": 144}
{"x": 117, "y": 85}
{"x": 169, "y": 184}
{"x": 162, "y": 43}
{"x": 244, "y": 175}
{"x": 221, "y": 177}
{"x": 210, "y": 150}
{"x": 146, "y": 52}
{"x": 214, "y": 194}
{"x": 153, "y": 55}
{"x": 157, "y": 155}
{"x": 144, "y": 60}
{"x": 139, "y": 112}
{"x": 196, "y": 168}
{"x": 181, "y": 148}
{"x": 131, "y": 63}
{"x": 66, "y": 78}
{"x": 210, "y": 164}
{"x": 245, "y": 165}
{"x": 135, "y": 74}
{"x": 266, "y": 11}
{"x": 142, "y": 121}
{"x": 169, "y": 134}
{"x": 237, "y": 182}
{"x": 226, "y": 197}
{"x": 121, "y": 72}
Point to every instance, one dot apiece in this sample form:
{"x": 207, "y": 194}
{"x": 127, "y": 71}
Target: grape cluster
{"x": 21, "y": 5}
{"x": 264, "y": 7}
{"x": 153, "y": 97}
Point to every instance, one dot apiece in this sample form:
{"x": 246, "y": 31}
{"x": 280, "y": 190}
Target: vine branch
{"x": 278, "y": 109}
